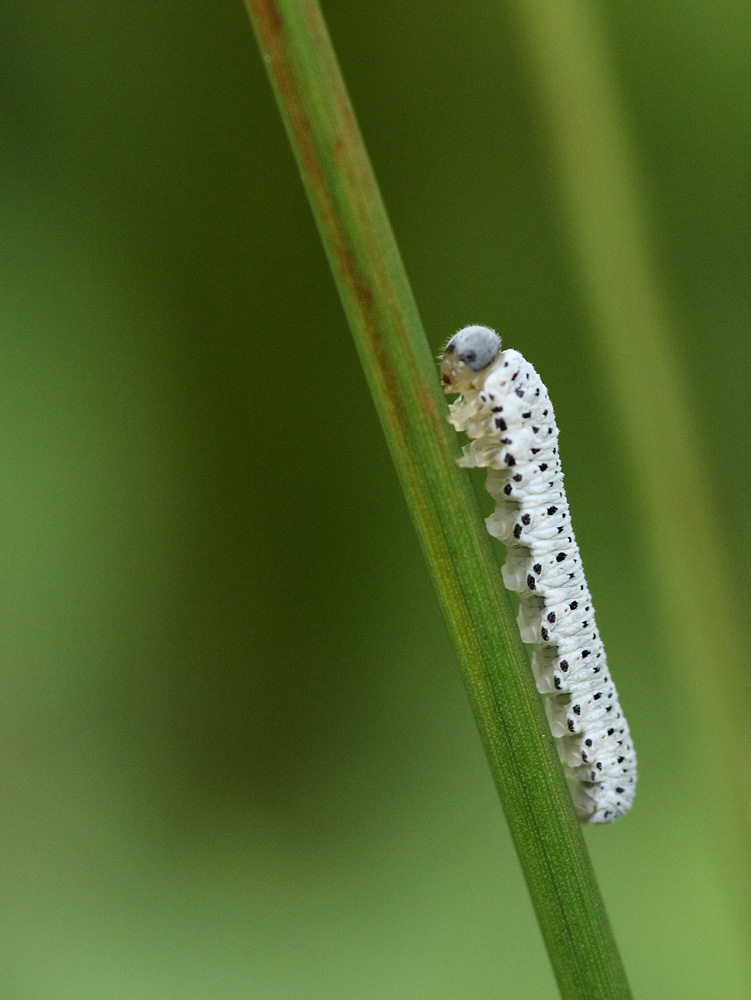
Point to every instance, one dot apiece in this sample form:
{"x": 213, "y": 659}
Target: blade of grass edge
{"x": 402, "y": 376}
{"x": 634, "y": 336}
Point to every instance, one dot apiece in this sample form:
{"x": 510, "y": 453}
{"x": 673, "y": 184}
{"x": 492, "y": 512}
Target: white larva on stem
{"x": 506, "y": 411}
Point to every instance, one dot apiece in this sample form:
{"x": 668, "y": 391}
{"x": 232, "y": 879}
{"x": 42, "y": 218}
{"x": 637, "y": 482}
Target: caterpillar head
{"x": 467, "y": 356}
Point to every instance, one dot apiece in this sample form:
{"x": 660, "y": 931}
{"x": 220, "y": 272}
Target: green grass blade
{"x": 404, "y": 383}
{"x": 636, "y": 340}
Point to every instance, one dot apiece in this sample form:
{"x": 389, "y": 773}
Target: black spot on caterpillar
{"x": 529, "y": 517}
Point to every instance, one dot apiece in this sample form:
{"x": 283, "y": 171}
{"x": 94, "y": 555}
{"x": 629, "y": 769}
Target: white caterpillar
{"x": 506, "y": 411}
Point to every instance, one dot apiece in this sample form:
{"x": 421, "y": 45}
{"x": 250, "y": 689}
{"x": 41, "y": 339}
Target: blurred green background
{"x": 237, "y": 758}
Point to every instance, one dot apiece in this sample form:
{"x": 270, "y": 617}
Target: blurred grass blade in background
{"x": 601, "y": 194}
{"x": 404, "y": 383}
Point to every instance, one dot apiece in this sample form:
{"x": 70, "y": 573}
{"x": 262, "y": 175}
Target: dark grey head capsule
{"x": 476, "y": 346}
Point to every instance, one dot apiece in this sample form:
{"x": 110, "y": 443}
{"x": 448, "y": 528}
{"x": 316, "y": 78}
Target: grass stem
{"x": 402, "y": 376}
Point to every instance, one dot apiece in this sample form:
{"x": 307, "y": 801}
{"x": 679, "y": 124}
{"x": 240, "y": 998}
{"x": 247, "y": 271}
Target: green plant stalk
{"x": 634, "y": 335}
{"x": 403, "y": 380}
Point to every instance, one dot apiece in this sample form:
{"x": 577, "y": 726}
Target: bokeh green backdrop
{"x": 237, "y": 758}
